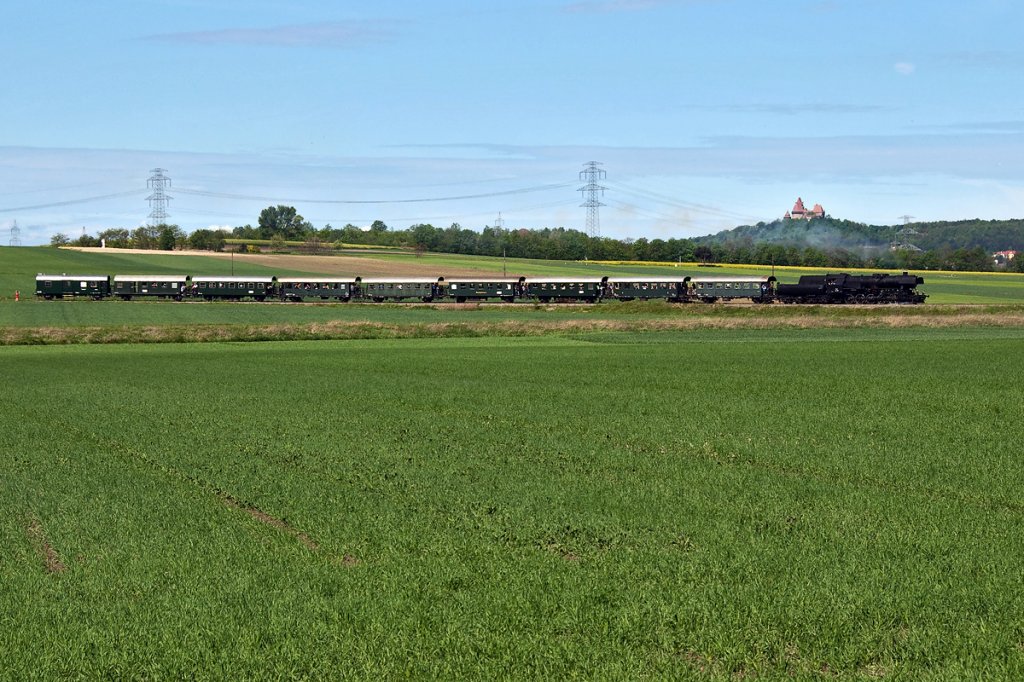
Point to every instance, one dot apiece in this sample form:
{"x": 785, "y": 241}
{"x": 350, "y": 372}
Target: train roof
{"x": 150, "y": 278}
{"x": 565, "y": 280}
{"x": 485, "y": 280}
{"x": 346, "y": 280}
{"x": 641, "y": 278}
{"x": 401, "y": 280}
{"x": 250, "y": 278}
{"x": 70, "y": 278}
{"x": 733, "y": 279}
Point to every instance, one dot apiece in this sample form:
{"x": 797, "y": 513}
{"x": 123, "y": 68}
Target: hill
{"x": 830, "y": 233}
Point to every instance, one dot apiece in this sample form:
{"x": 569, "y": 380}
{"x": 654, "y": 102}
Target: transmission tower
{"x": 906, "y": 230}
{"x": 591, "y": 174}
{"x": 158, "y": 182}
{"x": 15, "y": 234}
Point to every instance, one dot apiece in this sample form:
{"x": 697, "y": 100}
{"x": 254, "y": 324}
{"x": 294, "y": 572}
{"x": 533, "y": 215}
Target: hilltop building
{"x": 1003, "y": 257}
{"x": 800, "y": 213}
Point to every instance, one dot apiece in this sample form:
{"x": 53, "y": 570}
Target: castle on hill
{"x": 800, "y": 213}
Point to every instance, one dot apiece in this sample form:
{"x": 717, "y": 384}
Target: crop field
{"x": 708, "y": 504}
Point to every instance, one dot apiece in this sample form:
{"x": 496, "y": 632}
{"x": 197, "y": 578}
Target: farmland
{"x": 619, "y": 491}
{"x": 812, "y": 503}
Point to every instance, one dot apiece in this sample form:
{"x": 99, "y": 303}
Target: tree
{"x": 207, "y": 240}
{"x": 313, "y": 243}
{"x": 284, "y": 221}
{"x": 169, "y": 236}
{"x": 59, "y": 239}
{"x": 246, "y": 232}
{"x": 115, "y": 238}
{"x": 425, "y": 236}
{"x": 144, "y": 237}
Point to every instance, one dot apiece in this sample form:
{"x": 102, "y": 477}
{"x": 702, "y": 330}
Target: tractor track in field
{"x": 37, "y": 536}
{"x": 264, "y": 517}
{"x": 224, "y": 496}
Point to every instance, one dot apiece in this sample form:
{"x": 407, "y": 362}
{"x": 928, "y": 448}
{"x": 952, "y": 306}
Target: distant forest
{"x": 823, "y": 242}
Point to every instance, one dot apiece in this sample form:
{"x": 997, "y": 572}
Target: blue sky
{"x": 706, "y": 114}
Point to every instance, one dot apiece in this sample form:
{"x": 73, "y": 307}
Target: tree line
{"x": 824, "y": 243}
{"x": 156, "y": 237}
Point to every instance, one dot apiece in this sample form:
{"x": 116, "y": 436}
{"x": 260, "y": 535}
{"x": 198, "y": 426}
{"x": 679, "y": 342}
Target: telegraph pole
{"x": 591, "y": 174}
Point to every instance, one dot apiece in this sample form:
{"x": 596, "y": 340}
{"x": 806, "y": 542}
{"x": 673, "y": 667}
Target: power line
{"x": 419, "y": 200}
{"x": 71, "y": 202}
{"x": 681, "y": 203}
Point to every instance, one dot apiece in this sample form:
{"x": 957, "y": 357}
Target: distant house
{"x": 800, "y": 213}
{"x": 1003, "y": 257}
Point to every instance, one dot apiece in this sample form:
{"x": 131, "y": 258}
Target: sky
{"x": 704, "y": 114}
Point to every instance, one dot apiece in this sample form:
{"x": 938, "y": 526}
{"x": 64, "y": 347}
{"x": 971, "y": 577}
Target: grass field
{"x": 18, "y": 267}
{"x": 709, "y": 505}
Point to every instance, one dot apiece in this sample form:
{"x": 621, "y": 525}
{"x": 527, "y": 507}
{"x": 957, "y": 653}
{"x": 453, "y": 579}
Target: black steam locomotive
{"x": 844, "y": 288}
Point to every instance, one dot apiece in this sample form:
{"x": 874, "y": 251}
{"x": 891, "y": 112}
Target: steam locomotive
{"x": 844, "y": 288}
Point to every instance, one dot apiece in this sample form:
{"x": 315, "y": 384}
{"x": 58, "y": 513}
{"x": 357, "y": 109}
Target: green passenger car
{"x": 481, "y": 289}
{"x": 60, "y": 286}
{"x": 590, "y": 289}
{"x": 127, "y": 287}
{"x": 644, "y": 288}
{"x": 232, "y": 288}
{"x": 425, "y": 289}
{"x": 303, "y": 288}
{"x": 711, "y": 289}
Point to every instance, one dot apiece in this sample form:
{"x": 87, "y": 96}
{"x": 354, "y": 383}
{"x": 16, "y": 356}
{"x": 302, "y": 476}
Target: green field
{"x": 18, "y": 267}
{"x": 711, "y": 505}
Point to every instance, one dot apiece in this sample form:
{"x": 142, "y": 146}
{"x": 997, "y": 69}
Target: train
{"x": 840, "y": 288}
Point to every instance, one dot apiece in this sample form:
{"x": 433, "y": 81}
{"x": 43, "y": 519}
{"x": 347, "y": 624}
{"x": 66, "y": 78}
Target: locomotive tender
{"x": 827, "y": 289}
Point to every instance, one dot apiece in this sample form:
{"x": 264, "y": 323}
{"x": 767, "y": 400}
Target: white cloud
{"x": 327, "y": 34}
{"x": 904, "y": 68}
{"x": 606, "y": 6}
